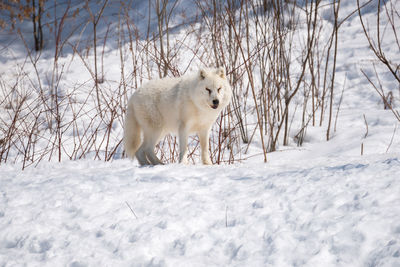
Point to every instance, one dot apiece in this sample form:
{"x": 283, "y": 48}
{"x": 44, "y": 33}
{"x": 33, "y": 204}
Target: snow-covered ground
{"x": 341, "y": 212}
{"x": 322, "y": 204}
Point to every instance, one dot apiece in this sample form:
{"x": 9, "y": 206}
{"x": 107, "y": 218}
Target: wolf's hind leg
{"x": 149, "y": 143}
{"x": 153, "y": 158}
{"x": 141, "y": 156}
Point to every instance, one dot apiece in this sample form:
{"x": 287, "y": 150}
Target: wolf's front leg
{"x": 204, "y": 144}
{"x": 183, "y": 137}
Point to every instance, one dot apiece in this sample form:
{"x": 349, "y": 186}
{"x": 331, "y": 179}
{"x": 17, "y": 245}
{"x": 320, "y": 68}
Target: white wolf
{"x": 184, "y": 105}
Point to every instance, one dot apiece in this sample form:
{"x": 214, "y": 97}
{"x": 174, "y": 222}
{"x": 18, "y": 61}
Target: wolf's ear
{"x": 203, "y": 74}
{"x": 221, "y": 72}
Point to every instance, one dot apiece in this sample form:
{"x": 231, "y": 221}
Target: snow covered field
{"x": 342, "y": 212}
{"x": 321, "y": 204}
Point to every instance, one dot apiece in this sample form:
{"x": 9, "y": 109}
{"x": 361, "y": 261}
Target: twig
{"x": 340, "y": 102}
{"x": 226, "y": 216}
{"x": 126, "y": 202}
{"x": 366, "y": 125}
{"x": 365, "y": 136}
{"x": 391, "y": 140}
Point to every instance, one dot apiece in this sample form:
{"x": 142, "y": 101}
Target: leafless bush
{"x": 375, "y": 39}
{"x": 257, "y": 48}
{"x": 281, "y": 72}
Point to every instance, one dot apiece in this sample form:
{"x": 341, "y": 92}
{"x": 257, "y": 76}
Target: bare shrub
{"x": 382, "y": 27}
{"x": 281, "y": 71}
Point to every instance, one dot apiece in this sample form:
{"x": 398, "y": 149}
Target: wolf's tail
{"x": 132, "y": 132}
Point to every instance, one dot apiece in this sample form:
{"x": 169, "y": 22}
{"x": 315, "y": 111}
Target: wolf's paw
{"x": 207, "y": 162}
{"x": 184, "y": 161}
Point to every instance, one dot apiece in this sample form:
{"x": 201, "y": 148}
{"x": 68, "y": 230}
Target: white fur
{"x": 181, "y": 105}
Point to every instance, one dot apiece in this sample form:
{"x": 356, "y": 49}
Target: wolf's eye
{"x": 208, "y": 90}
{"x": 219, "y": 89}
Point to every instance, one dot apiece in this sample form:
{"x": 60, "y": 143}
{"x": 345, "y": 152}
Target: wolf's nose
{"x": 215, "y": 102}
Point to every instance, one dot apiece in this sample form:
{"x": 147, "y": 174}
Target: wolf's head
{"x": 213, "y": 91}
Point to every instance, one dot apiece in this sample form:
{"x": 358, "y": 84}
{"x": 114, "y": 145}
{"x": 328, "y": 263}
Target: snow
{"x": 322, "y": 204}
{"x": 340, "y": 213}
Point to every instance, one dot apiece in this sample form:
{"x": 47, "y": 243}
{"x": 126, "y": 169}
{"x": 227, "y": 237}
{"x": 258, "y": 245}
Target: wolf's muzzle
{"x": 215, "y": 103}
